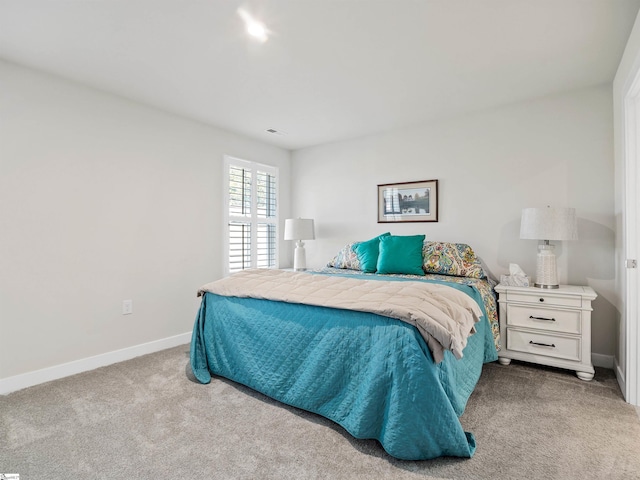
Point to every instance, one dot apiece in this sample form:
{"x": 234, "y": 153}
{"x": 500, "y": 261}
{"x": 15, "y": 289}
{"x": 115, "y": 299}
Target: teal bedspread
{"x": 372, "y": 375}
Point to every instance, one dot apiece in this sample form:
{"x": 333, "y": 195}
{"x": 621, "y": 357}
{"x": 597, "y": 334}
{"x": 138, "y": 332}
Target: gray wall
{"x": 102, "y": 200}
{"x": 553, "y": 151}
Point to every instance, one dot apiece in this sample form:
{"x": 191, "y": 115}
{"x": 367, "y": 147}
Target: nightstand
{"x": 548, "y": 327}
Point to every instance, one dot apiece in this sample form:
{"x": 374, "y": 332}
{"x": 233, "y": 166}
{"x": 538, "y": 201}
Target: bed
{"x": 377, "y": 376}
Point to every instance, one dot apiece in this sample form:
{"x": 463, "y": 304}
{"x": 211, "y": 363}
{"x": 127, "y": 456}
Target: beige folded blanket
{"x": 444, "y": 316}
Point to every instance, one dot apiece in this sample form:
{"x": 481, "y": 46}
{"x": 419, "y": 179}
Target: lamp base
{"x": 546, "y": 269}
{"x": 299, "y": 257}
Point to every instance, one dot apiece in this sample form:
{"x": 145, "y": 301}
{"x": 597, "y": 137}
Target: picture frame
{"x": 408, "y": 202}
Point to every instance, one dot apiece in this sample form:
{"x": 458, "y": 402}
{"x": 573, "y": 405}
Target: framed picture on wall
{"x": 408, "y": 202}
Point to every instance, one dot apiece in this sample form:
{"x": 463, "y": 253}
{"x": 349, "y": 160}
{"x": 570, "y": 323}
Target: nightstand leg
{"x": 585, "y": 376}
{"x": 507, "y": 361}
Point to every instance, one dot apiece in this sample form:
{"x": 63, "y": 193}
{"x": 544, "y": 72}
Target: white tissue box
{"x": 514, "y": 280}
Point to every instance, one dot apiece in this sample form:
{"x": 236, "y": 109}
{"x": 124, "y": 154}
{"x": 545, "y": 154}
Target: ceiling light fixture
{"x": 255, "y": 28}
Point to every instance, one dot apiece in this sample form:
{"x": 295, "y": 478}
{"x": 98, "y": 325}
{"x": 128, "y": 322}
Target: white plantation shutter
{"x": 266, "y": 212}
{"x": 239, "y": 246}
{"x": 251, "y": 215}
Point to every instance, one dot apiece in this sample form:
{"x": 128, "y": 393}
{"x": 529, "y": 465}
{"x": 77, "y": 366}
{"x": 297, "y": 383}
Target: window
{"x": 251, "y": 215}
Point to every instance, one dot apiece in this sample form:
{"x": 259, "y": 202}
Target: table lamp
{"x": 545, "y": 224}
{"x": 299, "y": 229}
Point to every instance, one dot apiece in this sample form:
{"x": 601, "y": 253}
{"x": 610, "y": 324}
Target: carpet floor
{"x": 147, "y": 418}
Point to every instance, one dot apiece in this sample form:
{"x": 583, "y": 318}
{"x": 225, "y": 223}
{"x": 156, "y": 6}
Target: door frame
{"x": 631, "y": 239}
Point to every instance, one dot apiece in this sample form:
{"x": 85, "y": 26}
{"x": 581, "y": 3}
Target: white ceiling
{"x": 331, "y": 69}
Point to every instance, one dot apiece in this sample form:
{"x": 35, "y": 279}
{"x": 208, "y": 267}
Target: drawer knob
{"x": 542, "y": 344}
{"x": 542, "y": 299}
{"x": 542, "y": 318}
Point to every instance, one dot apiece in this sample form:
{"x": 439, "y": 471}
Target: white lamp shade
{"x": 298, "y": 229}
{"x": 549, "y": 223}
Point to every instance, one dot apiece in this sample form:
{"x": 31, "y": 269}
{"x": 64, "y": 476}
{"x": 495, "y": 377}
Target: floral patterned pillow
{"x": 346, "y": 258}
{"x": 446, "y": 258}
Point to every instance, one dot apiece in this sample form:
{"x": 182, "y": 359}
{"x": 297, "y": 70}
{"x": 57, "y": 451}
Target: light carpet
{"x": 148, "y": 419}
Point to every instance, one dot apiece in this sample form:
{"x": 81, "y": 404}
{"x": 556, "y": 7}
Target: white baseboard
{"x": 620, "y": 377}
{"x": 18, "y": 382}
{"x": 604, "y": 361}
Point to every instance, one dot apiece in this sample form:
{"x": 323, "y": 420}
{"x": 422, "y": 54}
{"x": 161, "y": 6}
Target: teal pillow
{"x": 401, "y": 254}
{"x": 368, "y": 253}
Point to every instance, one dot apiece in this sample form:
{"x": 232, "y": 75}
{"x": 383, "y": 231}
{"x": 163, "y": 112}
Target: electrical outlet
{"x": 127, "y": 307}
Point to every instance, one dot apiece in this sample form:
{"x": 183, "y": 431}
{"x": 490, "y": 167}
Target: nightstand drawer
{"x": 543, "y": 299}
{"x": 567, "y": 321}
{"x": 543, "y": 344}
